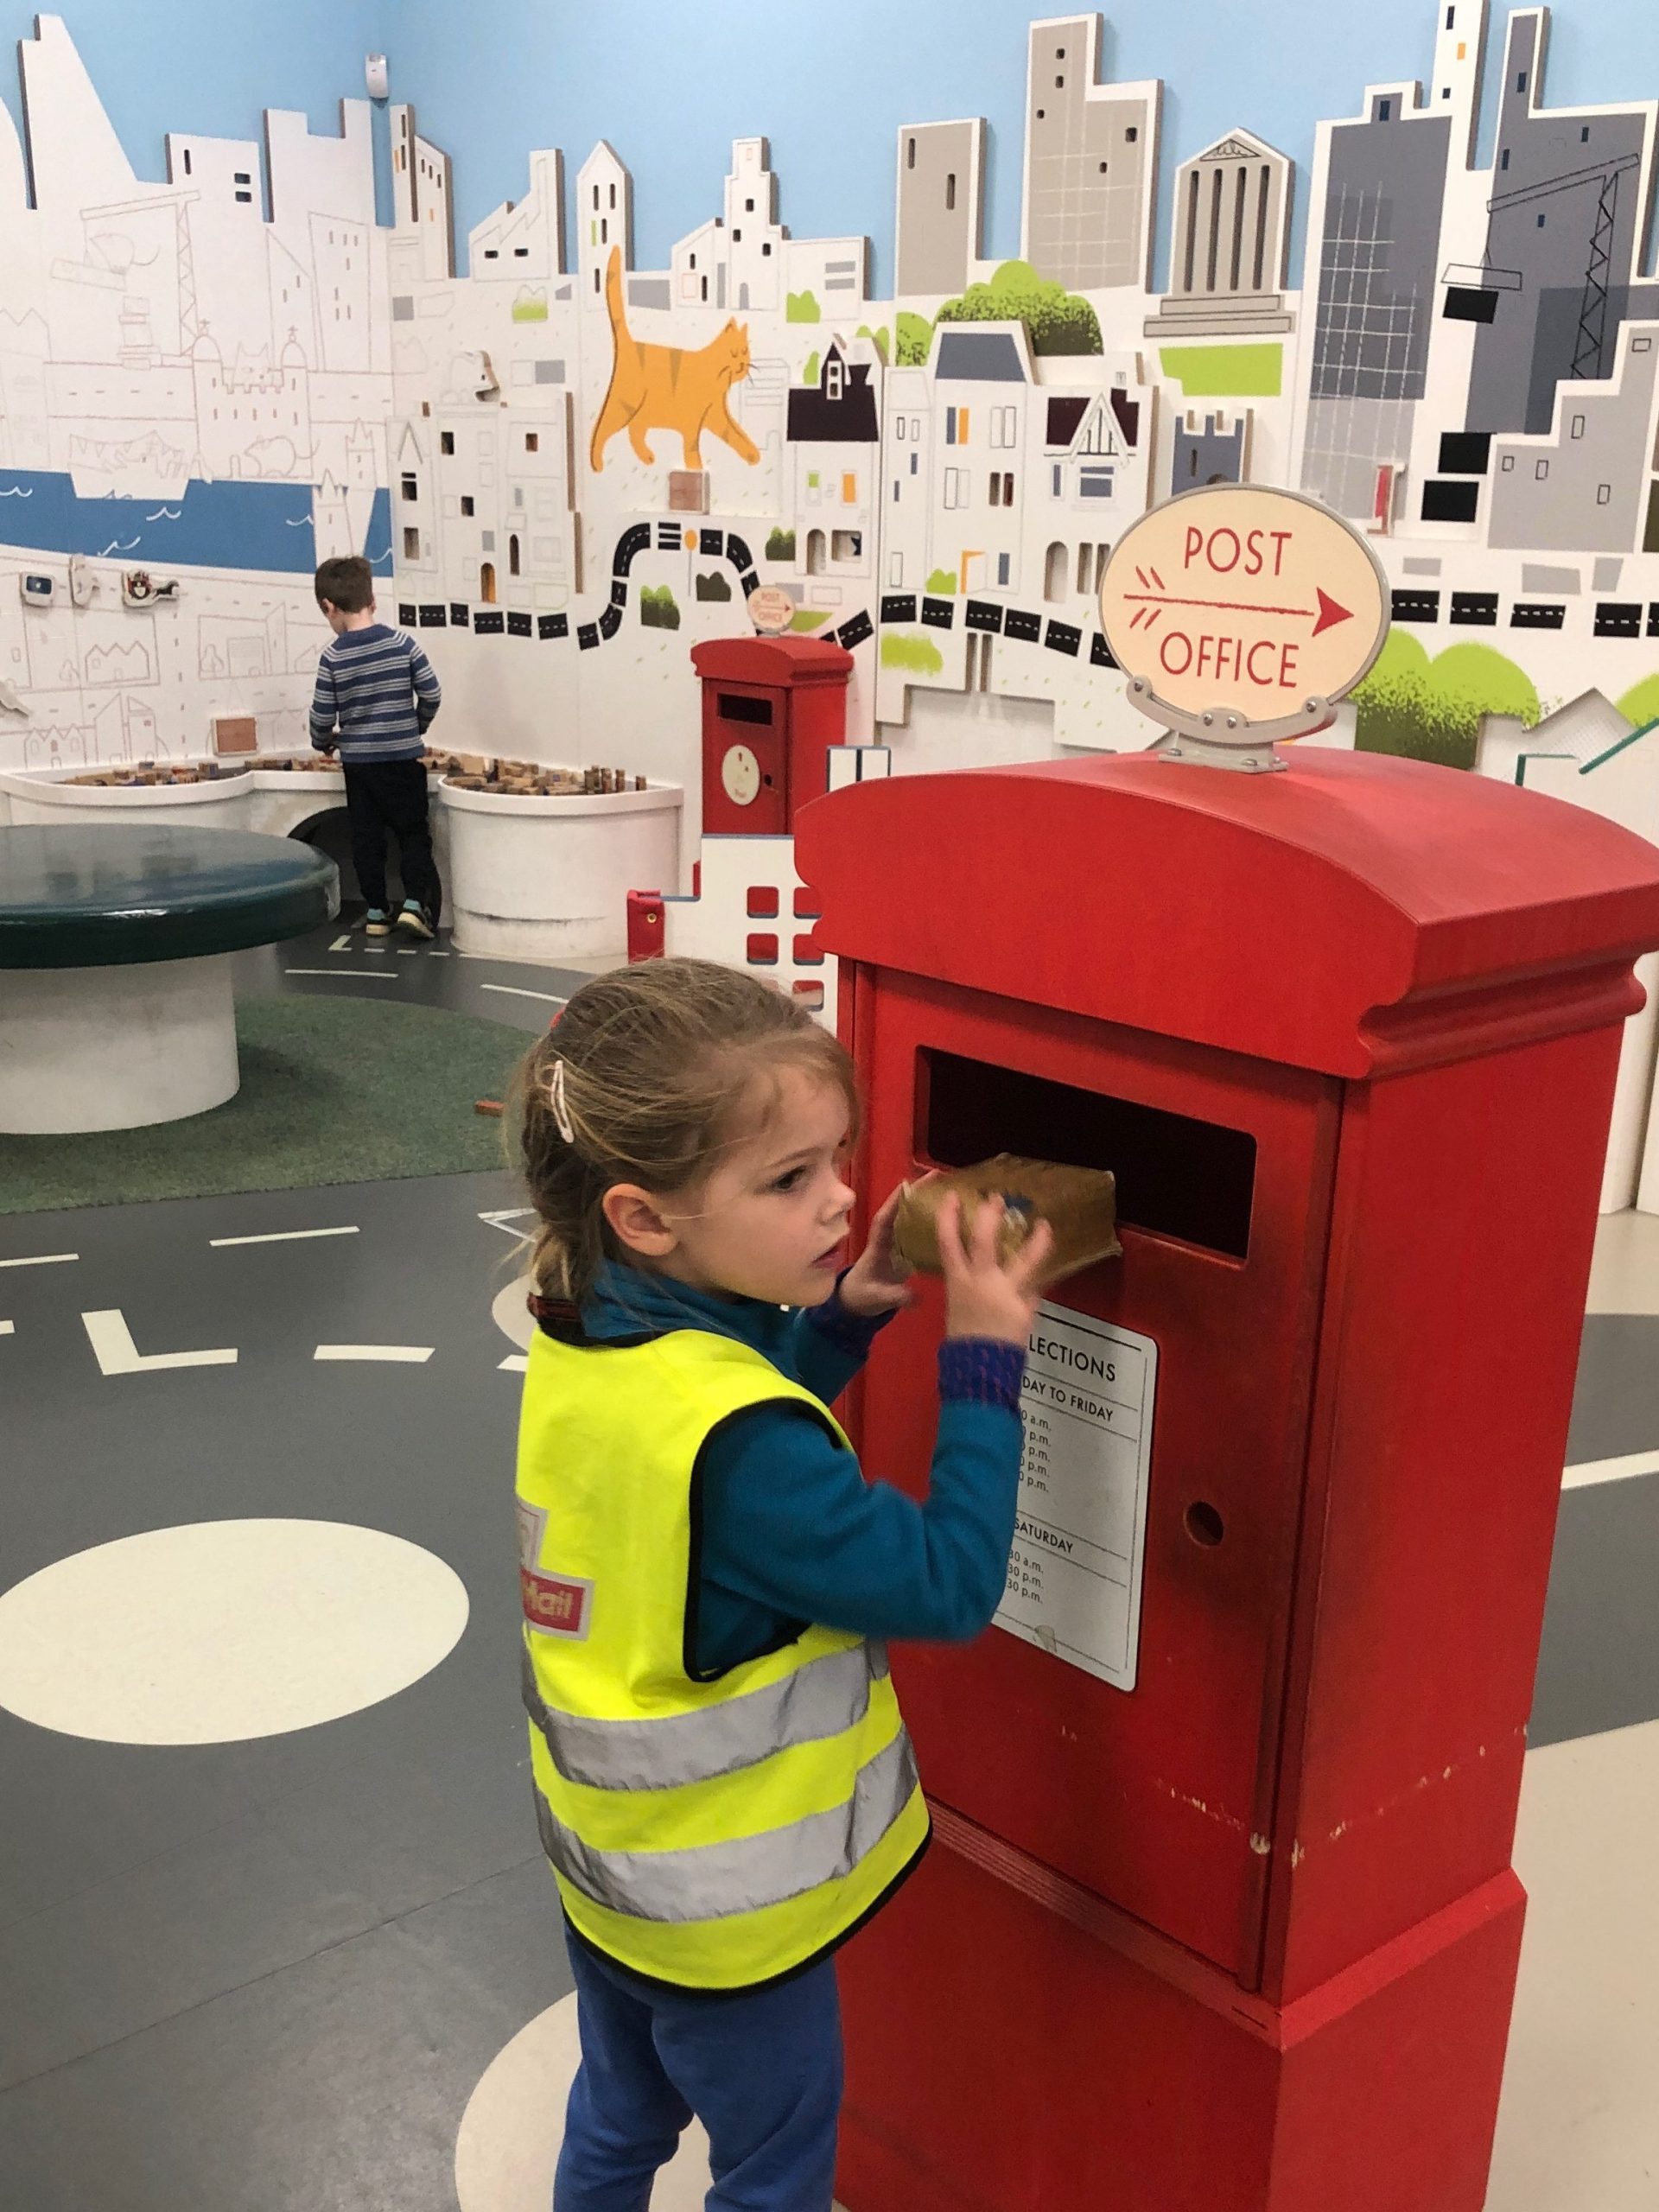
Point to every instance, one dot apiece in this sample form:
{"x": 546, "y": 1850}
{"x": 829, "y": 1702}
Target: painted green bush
{"x": 1058, "y": 321}
{"x": 880, "y": 340}
{"x": 658, "y": 608}
{"x": 1226, "y": 372}
{"x": 942, "y": 583}
{"x": 810, "y": 373}
{"x": 1640, "y": 705}
{"x": 710, "y": 584}
{"x": 914, "y": 334}
{"x": 801, "y": 306}
{"x": 1424, "y": 709}
{"x": 780, "y": 545}
{"x": 909, "y": 648}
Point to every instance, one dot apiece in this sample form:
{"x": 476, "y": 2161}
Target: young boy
{"x": 376, "y": 698}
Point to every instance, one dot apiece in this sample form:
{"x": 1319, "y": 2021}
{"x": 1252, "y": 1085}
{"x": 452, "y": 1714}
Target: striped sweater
{"x": 376, "y": 695}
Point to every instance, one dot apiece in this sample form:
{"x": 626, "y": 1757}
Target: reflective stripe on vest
{"x": 709, "y": 1881}
{"x": 824, "y": 1698}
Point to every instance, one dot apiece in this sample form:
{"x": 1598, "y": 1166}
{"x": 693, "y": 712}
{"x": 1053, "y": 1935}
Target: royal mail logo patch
{"x": 556, "y": 1605}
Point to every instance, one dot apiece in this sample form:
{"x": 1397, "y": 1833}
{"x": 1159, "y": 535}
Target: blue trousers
{"x": 761, "y": 2069}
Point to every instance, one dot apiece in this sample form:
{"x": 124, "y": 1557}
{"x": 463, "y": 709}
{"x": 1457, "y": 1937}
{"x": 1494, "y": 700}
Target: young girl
{"x": 723, "y": 1782}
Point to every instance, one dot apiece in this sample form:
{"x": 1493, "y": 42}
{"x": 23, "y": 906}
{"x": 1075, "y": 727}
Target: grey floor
{"x": 256, "y": 1976}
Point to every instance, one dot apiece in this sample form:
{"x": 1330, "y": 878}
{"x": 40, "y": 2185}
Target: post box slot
{"x": 736, "y": 706}
{"x": 1176, "y": 1176}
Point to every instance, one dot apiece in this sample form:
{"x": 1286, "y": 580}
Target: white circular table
{"x": 115, "y": 1007}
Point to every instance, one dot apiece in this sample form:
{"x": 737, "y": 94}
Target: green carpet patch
{"x": 333, "y": 1091}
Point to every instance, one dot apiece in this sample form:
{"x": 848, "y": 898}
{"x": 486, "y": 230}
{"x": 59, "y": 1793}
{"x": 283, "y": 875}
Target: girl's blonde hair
{"x": 649, "y": 1076}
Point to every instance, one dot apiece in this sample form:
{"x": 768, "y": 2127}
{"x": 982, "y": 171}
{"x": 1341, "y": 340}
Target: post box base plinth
{"x": 1002, "y": 2056}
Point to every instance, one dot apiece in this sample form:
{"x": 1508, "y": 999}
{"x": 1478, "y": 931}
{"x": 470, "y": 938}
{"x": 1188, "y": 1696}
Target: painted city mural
{"x": 568, "y": 469}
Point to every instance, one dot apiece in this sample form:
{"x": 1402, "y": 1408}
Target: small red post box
{"x": 1220, "y": 1916}
{"x": 771, "y": 709}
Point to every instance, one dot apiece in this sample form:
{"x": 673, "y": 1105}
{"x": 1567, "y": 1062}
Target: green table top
{"x": 107, "y": 895}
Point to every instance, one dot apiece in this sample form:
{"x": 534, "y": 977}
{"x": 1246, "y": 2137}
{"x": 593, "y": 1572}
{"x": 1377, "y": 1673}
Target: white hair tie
{"x": 555, "y": 1099}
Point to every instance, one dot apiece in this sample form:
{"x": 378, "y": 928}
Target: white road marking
{"x": 341, "y": 944}
{"x": 1589, "y": 1471}
{"x": 400, "y": 1355}
{"x": 509, "y": 1213}
{"x": 516, "y": 1363}
{"x": 408, "y": 951}
{"x": 379, "y": 975}
{"x": 433, "y": 953}
{"x": 279, "y": 1236}
{"x": 8, "y": 1328}
{"x": 41, "y": 1259}
{"x": 512, "y": 991}
{"x": 117, "y": 1354}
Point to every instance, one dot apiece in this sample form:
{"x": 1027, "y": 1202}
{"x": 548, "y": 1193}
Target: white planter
{"x": 44, "y": 799}
{"x": 283, "y": 799}
{"x": 115, "y": 1048}
{"x": 530, "y": 879}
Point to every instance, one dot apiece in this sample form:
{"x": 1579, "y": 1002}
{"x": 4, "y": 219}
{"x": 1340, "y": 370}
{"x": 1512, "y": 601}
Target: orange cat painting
{"x": 667, "y": 388}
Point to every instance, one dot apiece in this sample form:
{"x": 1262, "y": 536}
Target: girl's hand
{"x": 877, "y": 1281}
{"x": 983, "y": 1298}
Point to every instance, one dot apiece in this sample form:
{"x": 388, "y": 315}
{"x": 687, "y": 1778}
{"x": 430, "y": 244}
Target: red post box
{"x": 771, "y": 709}
{"x": 1220, "y": 1915}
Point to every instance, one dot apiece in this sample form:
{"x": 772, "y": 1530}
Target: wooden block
{"x": 1078, "y": 1204}
{"x": 687, "y": 492}
{"x": 491, "y": 1106}
{"x": 235, "y": 733}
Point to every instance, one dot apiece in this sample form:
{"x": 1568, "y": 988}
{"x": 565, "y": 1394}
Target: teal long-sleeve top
{"x": 792, "y": 1532}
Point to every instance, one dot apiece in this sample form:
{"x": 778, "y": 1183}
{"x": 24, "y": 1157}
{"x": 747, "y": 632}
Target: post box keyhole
{"x": 1204, "y": 1525}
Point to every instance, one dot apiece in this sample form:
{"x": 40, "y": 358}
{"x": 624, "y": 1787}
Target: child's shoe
{"x": 376, "y": 922}
{"x": 414, "y": 918}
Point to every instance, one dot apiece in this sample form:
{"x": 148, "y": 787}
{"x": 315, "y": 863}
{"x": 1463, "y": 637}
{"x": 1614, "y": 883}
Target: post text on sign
{"x": 1249, "y": 549}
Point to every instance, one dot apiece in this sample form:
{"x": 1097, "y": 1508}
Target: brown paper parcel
{"x": 1078, "y": 1204}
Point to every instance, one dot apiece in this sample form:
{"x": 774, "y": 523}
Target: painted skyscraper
{"x": 1091, "y": 161}
{"x": 1374, "y": 250}
{"x": 1569, "y": 213}
{"x": 940, "y": 201}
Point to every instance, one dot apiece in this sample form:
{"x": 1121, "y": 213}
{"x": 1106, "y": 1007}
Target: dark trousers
{"x": 382, "y": 795}
{"x": 760, "y": 2069}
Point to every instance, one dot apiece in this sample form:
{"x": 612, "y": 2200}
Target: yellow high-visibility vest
{"x": 713, "y": 1832}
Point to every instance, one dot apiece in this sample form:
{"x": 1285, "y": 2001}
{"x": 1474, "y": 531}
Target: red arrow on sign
{"x": 1330, "y": 613}
{"x": 1325, "y": 617}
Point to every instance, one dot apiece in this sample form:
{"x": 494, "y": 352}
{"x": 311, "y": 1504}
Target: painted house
{"x": 1093, "y": 465}
{"x": 906, "y": 477}
{"x": 481, "y": 505}
{"x": 983, "y": 397}
{"x": 834, "y": 435}
{"x": 1586, "y": 728}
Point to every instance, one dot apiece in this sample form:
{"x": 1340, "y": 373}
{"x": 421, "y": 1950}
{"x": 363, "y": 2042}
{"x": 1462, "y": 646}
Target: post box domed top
{"x": 107, "y": 895}
{"x": 1311, "y": 917}
{"x": 779, "y": 661}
